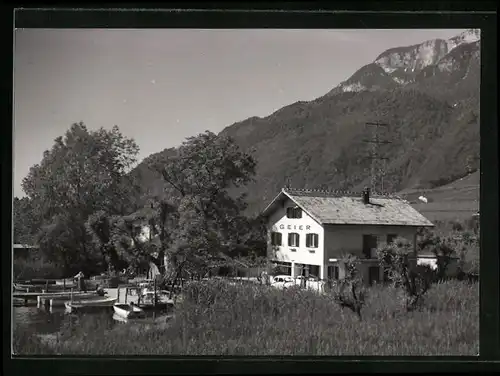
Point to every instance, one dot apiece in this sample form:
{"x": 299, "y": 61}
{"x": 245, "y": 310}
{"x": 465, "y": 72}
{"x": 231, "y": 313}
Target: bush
{"x": 217, "y": 318}
{"x": 447, "y": 243}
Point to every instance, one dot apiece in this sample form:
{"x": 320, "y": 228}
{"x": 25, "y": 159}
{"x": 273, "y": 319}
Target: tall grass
{"x": 221, "y": 319}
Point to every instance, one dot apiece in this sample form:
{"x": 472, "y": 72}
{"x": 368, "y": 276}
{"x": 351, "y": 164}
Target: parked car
{"x": 309, "y": 278}
{"x": 282, "y": 281}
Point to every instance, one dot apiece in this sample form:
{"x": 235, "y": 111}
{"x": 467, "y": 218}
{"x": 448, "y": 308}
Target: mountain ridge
{"x": 433, "y": 112}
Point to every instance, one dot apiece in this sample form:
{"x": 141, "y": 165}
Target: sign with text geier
{"x": 295, "y": 227}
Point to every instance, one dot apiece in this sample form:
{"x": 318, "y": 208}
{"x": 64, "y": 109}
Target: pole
{"x": 47, "y": 285}
{"x": 374, "y": 155}
{"x": 154, "y": 285}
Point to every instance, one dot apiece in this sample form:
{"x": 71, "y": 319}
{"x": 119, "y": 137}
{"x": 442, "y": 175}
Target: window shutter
{"x": 295, "y": 239}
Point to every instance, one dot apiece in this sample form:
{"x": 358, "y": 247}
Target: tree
{"x": 349, "y": 293}
{"x": 198, "y": 177}
{"x": 64, "y": 242}
{"x": 415, "y": 280}
{"x": 25, "y": 222}
{"x": 161, "y": 216}
{"x": 84, "y": 172}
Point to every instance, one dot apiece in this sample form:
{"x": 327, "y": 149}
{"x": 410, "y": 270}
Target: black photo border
{"x": 390, "y": 15}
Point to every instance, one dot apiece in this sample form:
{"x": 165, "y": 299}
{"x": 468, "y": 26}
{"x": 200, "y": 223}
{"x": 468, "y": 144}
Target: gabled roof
{"x": 347, "y": 208}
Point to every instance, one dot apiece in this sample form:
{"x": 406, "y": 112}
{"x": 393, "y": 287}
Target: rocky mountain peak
{"x": 414, "y": 57}
{"x": 468, "y": 36}
{"x": 401, "y": 66}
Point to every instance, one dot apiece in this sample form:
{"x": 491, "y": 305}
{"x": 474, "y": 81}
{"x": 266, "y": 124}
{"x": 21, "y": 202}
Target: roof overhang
{"x": 376, "y": 224}
{"x": 282, "y": 195}
{"x": 285, "y": 195}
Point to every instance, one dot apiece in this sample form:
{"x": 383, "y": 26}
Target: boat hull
{"x": 127, "y": 312}
{"x": 23, "y": 287}
{"x": 58, "y": 301}
{"x": 89, "y": 305}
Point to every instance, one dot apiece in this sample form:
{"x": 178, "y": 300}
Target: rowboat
{"x": 37, "y": 287}
{"x": 89, "y": 304}
{"x": 26, "y": 287}
{"x": 128, "y": 311}
{"x": 58, "y": 299}
{"x": 117, "y": 317}
{"x": 38, "y": 281}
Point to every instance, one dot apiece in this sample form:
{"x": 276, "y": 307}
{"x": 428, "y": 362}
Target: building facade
{"x": 309, "y": 231}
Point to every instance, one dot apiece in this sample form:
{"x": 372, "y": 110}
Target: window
{"x": 293, "y": 239}
{"x": 312, "y": 240}
{"x": 390, "y": 238}
{"x": 276, "y": 238}
{"x": 373, "y": 275}
{"x": 369, "y": 244}
{"x": 333, "y": 272}
{"x": 314, "y": 271}
{"x": 293, "y": 212}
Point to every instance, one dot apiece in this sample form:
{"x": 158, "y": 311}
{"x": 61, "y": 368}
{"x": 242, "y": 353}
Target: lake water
{"x": 45, "y": 321}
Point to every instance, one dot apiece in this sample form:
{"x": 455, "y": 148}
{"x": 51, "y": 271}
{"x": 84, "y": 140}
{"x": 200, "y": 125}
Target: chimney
{"x": 366, "y": 195}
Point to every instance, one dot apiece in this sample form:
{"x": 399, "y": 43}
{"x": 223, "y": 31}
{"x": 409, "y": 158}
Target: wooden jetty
{"x": 42, "y": 297}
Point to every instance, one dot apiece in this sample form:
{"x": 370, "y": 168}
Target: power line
{"x": 376, "y": 166}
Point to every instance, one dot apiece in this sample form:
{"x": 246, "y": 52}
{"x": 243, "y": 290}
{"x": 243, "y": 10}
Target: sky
{"x": 163, "y": 85}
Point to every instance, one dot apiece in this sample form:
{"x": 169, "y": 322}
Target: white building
{"x": 310, "y": 230}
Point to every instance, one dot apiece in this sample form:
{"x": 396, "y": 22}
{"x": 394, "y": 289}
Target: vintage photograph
{"x": 246, "y": 192}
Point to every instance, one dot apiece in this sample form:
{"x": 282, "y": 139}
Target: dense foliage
{"x": 91, "y": 216}
{"x": 210, "y": 229}
{"x": 84, "y": 172}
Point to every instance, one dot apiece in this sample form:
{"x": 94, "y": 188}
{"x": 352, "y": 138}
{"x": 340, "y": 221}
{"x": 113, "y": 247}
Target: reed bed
{"x": 217, "y": 318}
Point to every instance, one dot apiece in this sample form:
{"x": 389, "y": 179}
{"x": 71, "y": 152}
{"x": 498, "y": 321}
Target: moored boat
{"x": 89, "y": 304}
{"x": 128, "y": 311}
{"x": 38, "y": 287}
{"x": 58, "y": 300}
